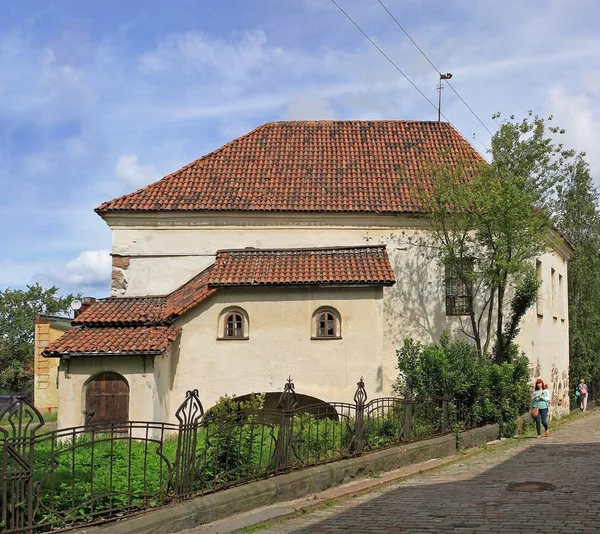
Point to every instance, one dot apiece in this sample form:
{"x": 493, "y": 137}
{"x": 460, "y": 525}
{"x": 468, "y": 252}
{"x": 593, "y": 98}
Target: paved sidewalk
{"x": 476, "y": 496}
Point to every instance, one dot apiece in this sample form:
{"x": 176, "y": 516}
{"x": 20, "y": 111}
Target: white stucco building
{"x": 284, "y": 252}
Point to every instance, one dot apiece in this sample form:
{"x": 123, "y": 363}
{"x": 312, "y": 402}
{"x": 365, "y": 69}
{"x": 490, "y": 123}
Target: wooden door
{"x": 107, "y": 399}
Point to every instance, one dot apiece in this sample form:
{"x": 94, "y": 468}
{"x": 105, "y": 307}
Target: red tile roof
{"x": 357, "y": 265}
{"x": 365, "y": 265}
{"x": 123, "y": 310}
{"x": 115, "y": 340}
{"x": 309, "y": 166}
{"x": 134, "y": 311}
{"x": 189, "y": 295}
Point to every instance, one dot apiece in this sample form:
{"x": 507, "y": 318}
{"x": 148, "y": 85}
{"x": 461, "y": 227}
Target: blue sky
{"x": 98, "y": 99}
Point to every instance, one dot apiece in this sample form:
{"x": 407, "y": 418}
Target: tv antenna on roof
{"x": 440, "y": 88}
{"x": 76, "y": 304}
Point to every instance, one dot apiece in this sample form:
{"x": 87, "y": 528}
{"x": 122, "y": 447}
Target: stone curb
{"x": 283, "y": 488}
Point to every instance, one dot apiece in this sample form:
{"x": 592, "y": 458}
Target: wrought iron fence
{"x": 89, "y": 474}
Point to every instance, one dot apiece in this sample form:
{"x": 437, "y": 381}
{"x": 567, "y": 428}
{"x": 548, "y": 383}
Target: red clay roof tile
{"x": 123, "y": 310}
{"x": 356, "y": 265}
{"x": 115, "y": 340}
{"x": 314, "y": 166}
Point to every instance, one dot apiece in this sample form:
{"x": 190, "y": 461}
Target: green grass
{"x": 90, "y": 476}
{"x": 95, "y": 475}
{"x": 48, "y": 418}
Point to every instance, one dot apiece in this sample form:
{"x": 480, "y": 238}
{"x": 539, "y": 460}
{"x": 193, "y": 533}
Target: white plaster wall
{"x": 414, "y": 307}
{"x": 147, "y": 393}
{"x": 163, "y": 378}
{"x": 544, "y": 334}
{"x": 280, "y": 345}
{"x": 165, "y": 253}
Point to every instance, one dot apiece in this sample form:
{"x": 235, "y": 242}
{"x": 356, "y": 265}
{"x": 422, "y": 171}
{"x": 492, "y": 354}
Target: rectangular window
{"x": 561, "y": 300}
{"x": 553, "y": 293}
{"x": 458, "y": 292}
{"x": 540, "y": 293}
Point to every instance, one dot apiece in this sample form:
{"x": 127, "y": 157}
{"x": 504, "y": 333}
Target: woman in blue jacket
{"x": 541, "y": 401}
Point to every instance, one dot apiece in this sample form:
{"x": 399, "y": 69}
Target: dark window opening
{"x": 458, "y": 291}
{"x": 326, "y": 325}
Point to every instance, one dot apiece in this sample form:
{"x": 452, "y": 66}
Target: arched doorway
{"x": 107, "y": 399}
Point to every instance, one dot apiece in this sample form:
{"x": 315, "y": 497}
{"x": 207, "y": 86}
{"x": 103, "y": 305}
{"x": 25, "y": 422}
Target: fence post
{"x": 4, "y": 468}
{"x": 444, "y": 415}
{"x": 188, "y": 414}
{"x": 283, "y": 448}
{"x": 408, "y": 414}
{"x": 360, "y": 398}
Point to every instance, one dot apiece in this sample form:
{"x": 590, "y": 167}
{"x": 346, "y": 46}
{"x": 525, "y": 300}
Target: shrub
{"x": 485, "y": 392}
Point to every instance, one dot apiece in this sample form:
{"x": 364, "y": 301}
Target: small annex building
{"x": 286, "y": 252}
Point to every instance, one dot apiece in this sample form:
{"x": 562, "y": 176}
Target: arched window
{"x": 233, "y": 324}
{"x": 326, "y": 324}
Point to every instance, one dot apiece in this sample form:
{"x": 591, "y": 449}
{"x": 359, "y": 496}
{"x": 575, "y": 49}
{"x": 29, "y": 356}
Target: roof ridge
{"x": 104, "y": 299}
{"x": 299, "y": 249}
{"x": 357, "y": 121}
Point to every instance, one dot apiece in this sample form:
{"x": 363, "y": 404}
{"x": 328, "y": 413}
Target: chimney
{"x": 87, "y": 302}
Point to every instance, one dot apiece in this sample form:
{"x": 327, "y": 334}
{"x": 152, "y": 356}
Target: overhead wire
{"x": 397, "y": 67}
{"x": 432, "y": 64}
{"x": 387, "y": 57}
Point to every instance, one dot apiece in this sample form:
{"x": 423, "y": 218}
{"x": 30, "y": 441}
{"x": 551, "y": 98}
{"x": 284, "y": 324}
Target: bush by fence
{"x": 496, "y": 393}
{"x": 52, "y": 480}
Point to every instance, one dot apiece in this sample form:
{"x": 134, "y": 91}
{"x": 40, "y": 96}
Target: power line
{"x": 387, "y": 57}
{"x": 398, "y": 68}
{"x": 431, "y": 63}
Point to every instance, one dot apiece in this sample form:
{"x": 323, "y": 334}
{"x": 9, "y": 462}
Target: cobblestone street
{"x": 477, "y": 496}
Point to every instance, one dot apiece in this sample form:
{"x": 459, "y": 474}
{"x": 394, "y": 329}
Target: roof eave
{"x": 67, "y": 354}
{"x": 305, "y": 284}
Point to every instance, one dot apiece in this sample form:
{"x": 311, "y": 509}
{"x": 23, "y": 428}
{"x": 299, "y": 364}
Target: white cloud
{"x": 308, "y": 107}
{"x": 14, "y": 274}
{"x": 127, "y": 168}
{"x": 197, "y": 52}
{"x": 575, "y": 113}
{"x": 89, "y": 271}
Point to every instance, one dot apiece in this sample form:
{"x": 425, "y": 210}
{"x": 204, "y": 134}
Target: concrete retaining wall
{"x": 281, "y": 488}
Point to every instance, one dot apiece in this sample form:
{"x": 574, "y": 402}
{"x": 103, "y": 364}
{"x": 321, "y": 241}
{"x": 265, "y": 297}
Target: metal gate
{"x": 17, "y": 464}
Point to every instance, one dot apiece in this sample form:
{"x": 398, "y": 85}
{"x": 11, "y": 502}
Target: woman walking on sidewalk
{"x": 541, "y": 401}
{"x": 583, "y": 395}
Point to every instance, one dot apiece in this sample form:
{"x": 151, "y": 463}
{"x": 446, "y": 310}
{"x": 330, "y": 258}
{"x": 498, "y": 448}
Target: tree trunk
{"x": 488, "y": 327}
{"x": 476, "y": 335}
{"x": 499, "y": 356}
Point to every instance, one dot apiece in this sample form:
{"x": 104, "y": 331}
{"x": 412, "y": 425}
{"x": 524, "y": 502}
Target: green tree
{"x": 579, "y": 219}
{"x": 18, "y": 309}
{"x": 489, "y": 221}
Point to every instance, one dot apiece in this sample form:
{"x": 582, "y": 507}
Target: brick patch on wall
{"x": 120, "y": 262}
